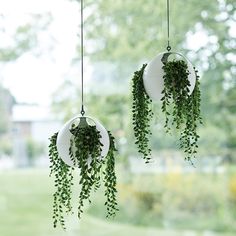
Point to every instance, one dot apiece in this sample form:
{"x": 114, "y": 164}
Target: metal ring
{"x": 82, "y": 110}
{"x": 168, "y": 48}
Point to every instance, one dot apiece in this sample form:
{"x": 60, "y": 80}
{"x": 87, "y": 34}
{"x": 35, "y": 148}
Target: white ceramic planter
{"x": 153, "y": 75}
{"x": 64, "y": 136}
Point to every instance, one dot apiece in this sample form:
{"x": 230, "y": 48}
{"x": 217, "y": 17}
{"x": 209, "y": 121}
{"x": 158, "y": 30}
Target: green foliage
{"x": 176, "y": 89}
{"x": 180, "y": 107}
{"x": 33, "y": 148}
{"x": 87, "y": 145}
{"x": 85, "y": 152}
{"x": 110, "y": 179}
{"x": 63, "y": 184}
{"x": 25, "y": 37}
{"x": 196, "y": 201}
{"x": 204, "y": 198}
{"x": 142, "y": 114}
{"x": 6, "y": 146}
{"x": 146, "y": 35}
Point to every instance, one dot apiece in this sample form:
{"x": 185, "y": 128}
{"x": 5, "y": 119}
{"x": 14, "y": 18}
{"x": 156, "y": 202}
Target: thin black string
{"x": 82, "y": 54}
{"x": 168, "y": 26}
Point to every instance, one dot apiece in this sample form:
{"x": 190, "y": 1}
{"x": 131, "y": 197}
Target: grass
{"x": 26, "y": 206}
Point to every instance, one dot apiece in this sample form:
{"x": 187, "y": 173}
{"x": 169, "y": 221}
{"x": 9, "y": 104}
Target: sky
{"x": 33, "y": 79}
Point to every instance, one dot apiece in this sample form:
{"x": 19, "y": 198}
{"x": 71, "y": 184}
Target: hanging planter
{"x": 66, "y": 133}
{"x": 82, "y": 144}
{"x": 172, "y": 79}
{"x": 87, "y": 146}
{"x": 154, "y": 74}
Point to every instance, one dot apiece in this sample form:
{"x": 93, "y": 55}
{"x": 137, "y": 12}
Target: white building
{"x": 31, "y": 122}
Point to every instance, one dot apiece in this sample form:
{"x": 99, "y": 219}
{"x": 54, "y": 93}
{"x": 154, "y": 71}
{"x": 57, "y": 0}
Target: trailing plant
{"x": 181, "y": 109}
{"x": 110, "y": 179}
{"x": 85, "y": 152}
{"x": 63, "y": 183}
{"x": 189, "y": 137}
{"x": 142, "y": 114}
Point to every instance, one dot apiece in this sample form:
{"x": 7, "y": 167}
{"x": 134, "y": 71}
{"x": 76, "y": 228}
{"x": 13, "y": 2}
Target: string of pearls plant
{"x": 85, "y": 152}
{"x": 176, "y": 84}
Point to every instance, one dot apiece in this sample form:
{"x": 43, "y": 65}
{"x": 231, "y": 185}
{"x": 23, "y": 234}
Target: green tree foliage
{"x": 33, "y": 149}
{"x": 24, "y": 39}
{"x": 132, "y": 31}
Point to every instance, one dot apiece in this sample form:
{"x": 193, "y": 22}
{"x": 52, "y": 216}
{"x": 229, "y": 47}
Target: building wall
{"x": 42, "y": 130}
{"x": 22, "y": 128}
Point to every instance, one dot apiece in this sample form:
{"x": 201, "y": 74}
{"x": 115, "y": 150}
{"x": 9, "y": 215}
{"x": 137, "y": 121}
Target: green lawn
{"x": 25, "y": 210}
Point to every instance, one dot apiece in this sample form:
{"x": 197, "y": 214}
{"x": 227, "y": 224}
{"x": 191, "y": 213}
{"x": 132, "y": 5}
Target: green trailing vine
{"x": 181, "y": 109}
{"x": 63, "y": 183}
{"x": 189, "y": 137}
{"x": 85, "y": 152}
{"x": 110, "y": 179}
{"x": 88, "y": 160}
{"x": 175, "y": 93}
{"x": 142, "y": 114}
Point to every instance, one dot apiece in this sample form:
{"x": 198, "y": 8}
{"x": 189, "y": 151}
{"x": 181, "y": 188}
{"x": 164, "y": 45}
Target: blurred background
{"x": 40, "y": 89}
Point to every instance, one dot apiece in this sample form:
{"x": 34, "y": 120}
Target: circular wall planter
{"x": 64, "y": 136}
{"x": 153, "y": 75}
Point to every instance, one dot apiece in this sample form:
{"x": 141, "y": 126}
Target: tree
{"x": 24, "y": 39}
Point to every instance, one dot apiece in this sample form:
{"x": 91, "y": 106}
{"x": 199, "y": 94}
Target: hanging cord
{"x": 168, "y": 26}
{"x": 82, "y": 55}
